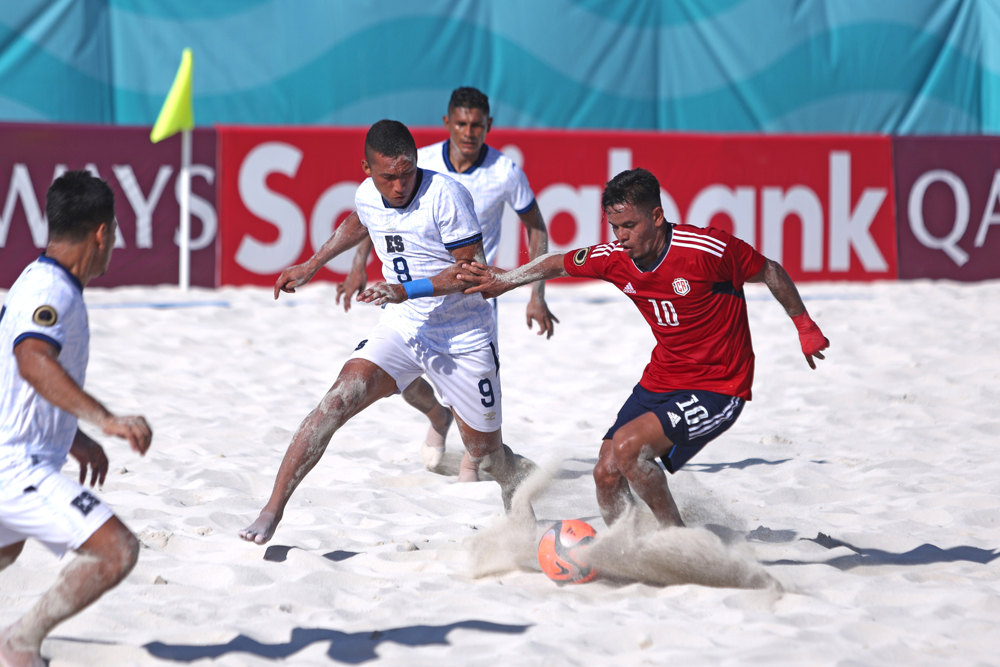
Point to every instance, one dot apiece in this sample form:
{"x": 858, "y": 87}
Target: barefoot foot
{"x": 261, "y": 530}
{"x": 431, "y": 456}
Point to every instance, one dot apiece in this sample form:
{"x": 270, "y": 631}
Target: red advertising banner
{"x": 948, "y": 201}
{"x": 823, "y": 206}
{"x": 144, "y": 178}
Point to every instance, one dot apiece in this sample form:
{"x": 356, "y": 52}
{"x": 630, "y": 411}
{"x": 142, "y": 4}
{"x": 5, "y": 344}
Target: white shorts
{"x": 468, "y": 383}
{"x": 55, "y": 510}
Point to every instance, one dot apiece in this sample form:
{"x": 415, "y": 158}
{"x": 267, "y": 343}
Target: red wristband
{"x": 803, "y": 322}
{"x": 810, "y": 337}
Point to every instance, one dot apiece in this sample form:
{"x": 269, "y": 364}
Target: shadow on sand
{"x": 348, "y": 647}
{"x": 925, "y": 554}
{"x": 277, "y": 553}
{"x": 738, "y": 465}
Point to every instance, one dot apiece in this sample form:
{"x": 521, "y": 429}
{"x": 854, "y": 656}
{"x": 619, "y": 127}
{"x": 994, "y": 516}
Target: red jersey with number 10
{"x": 693, "y": 300}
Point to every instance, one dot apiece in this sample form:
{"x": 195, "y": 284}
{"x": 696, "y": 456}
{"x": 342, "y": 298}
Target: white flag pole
{"x": 184, "y": 280}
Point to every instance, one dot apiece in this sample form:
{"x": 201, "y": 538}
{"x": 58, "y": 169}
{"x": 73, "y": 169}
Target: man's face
{"x": 468, "y": 128}
{"x": 637, "y": 230}
{"x": 394, "y": 177}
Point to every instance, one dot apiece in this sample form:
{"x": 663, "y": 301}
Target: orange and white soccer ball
{"x": 562, "y": 552}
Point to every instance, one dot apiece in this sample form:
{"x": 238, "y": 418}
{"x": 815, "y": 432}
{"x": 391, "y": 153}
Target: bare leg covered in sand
{"x": 420, "y": 395}
{"x": 629, "y": 460}
{"x": 613, "y": 494}
{"x": 487, "y": 452}
{"x": 101, "y": 563}
{"x": 359, "y": 384}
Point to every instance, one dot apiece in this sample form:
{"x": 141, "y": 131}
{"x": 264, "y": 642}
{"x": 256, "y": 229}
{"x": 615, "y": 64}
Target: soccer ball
{"x": 562, "y": 552}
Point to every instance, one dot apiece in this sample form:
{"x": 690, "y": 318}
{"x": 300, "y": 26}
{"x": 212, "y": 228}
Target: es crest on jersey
{"x": 45, "y": 316}
{"x": 581, "y": 256}
{"x": 681, "y": 286}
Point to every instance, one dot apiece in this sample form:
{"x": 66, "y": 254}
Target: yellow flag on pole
{"x": 177, "y": 113}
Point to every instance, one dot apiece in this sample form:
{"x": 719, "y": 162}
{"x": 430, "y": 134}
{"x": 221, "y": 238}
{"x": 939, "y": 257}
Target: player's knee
{"x": 625, "y": 449}
{"x": 606, "y": 472}
{"x": 332, "y": 405}
{"x": 336, "y": 408}
{"x": 118, "y": 551}
{"x": 128, "y": 555}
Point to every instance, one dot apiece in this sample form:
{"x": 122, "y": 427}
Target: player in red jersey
{"x": 688, "y": 284}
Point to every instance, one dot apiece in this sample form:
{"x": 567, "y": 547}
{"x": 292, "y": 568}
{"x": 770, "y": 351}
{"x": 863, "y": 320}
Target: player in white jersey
{"x": 494, "y": 180}
{"x": 424, "y": 224}
{"x": 44, "y": 341}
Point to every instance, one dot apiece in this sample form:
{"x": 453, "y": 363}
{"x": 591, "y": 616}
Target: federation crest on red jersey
{"x": 681, "y": 286}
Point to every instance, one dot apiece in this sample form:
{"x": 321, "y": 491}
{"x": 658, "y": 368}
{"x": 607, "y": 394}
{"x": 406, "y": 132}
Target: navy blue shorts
{"x": 691, "y": 419}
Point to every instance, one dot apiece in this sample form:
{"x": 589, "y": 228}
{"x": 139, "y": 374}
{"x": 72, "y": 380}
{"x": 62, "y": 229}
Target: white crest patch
{"x": 681, "y": 286}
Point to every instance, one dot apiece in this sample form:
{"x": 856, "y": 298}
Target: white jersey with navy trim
{"x": 413, "y": 242}
{"x": 45, "y": 302}
{"x": 494, "y": 179}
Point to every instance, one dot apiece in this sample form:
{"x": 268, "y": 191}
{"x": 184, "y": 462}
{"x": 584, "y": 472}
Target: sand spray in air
{"x": 511, "y": 543}
{"x": 635, "y": 548}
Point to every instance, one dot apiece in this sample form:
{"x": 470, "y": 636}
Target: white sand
{"x": 891, "y": 449}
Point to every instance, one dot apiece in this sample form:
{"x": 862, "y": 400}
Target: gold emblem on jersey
{"x": 45, "y": 316}
{"x": 581, "y": 256}
{"x": 490, "y": 416}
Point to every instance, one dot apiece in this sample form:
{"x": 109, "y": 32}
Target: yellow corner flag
{"x": 177, "y": 113}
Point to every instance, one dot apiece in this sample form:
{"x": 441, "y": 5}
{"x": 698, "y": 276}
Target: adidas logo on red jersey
{"x": 629, "y": 289}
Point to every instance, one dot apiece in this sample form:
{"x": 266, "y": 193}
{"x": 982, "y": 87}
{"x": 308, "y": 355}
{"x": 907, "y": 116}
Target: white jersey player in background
{"x": 494, "y": 181}
{"x": 424, "y": 224}
{"x": 44, "y": 349}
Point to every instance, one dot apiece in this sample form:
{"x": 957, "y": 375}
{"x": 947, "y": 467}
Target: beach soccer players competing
{"x": 493, "y": 180}
{"x": 688, "y": 284}
{"x": 423, "y": 223}
{"x": 44, "y": 341}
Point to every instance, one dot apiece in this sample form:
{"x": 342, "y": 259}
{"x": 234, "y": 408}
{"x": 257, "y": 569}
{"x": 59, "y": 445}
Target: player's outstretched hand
{"x": 539, "y": 311}
{"x": 383, "y": 293}
{"x": 132, "y": 428}
{"x": 811, "y": 338}
{"x": 355, "y": 283}
{"x": 91, "y": 456}
{"x": 485, "y": 280}
{"x": 292, "y": 277}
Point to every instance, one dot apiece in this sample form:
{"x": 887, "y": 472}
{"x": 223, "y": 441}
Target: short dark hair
{"x": 469, "y": 98}
{"x": 391, "y": 139}
{"x": 636, "y": 187}
{"x": 76, "y": 204}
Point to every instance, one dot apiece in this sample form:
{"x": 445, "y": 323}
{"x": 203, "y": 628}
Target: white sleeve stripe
{"x": 603, "y": 251}
{"x": 710, "y": 251}
{"x": 688, "y": 236}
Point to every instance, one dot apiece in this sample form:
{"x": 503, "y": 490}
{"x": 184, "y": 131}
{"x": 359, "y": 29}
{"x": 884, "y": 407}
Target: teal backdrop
{"x": 859, "y": 66}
